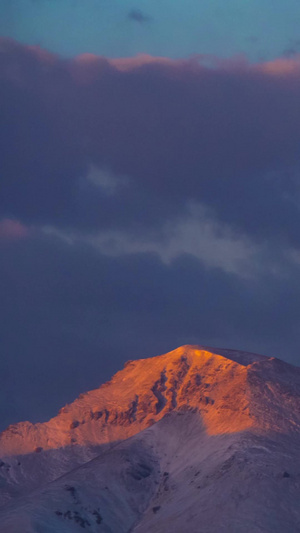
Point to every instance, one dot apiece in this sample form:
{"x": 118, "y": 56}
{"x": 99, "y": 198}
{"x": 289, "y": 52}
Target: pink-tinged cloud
{"x": 284, "y": 67}
{"x": 122, "y": 63}
{"x": 85, "y": 68}
{"x": 12, "y": 230}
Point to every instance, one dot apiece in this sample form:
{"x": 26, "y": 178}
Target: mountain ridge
{"x": 161, "y": 446}
{"x": 103, "y": 402}
{"x": 143, "y": 391}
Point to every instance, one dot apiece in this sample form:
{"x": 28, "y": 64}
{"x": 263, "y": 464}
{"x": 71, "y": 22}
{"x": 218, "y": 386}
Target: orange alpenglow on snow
{"x": 231, "y": 391}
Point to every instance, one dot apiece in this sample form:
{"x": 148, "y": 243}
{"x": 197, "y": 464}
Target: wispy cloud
{"x": 136, "y": 15}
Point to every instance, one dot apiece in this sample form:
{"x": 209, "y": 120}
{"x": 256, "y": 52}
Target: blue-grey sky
{"x": 260, "y": 29}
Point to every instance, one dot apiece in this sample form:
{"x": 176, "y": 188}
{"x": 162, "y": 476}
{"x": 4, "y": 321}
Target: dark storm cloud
{"x": 70, "y": 317}
{"x": 225, "y": 136}
{"x": 93, "y": 144}
{"x": 138, "y": 16}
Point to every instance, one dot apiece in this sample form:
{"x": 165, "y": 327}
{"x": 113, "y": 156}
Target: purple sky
{"x": 145, "y": 203}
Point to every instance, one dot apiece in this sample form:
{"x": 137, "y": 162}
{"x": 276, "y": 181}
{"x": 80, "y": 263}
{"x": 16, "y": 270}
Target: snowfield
{"x": 198, "y": 440}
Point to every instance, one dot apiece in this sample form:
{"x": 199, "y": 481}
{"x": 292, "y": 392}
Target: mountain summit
{"x": 197, "y": 440}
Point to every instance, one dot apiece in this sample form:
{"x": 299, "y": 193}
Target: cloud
{"x": 160, "y": 204}
{"x": 107, "y": 182}
{"x": 292, "y": 49}
{"x": 12, "y": 229}
{"x": 137, "y": 15}
{"x": 223, "y": 134}
{"x": 198, "y": 235}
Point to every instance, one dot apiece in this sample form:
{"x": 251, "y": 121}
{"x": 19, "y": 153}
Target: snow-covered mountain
{"x": 197, "y": 440}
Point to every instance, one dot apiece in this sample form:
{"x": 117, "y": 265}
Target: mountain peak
{"x": 230, "y": 389}
{"x": 238, "y": 356}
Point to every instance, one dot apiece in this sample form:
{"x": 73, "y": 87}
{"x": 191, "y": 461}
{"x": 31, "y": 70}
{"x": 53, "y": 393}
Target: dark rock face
{"x": 158, "y": 390}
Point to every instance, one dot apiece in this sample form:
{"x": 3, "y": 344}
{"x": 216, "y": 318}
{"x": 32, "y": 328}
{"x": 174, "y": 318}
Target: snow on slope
{"x": 108, "y": 493}
{"x": 172, "y": 478}
{"x": 197, "y": 440}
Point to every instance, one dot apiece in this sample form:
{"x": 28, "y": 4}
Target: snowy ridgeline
{"x": 203, "y": 443}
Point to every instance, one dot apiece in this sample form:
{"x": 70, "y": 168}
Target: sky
{"x": 149, "y": 188}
